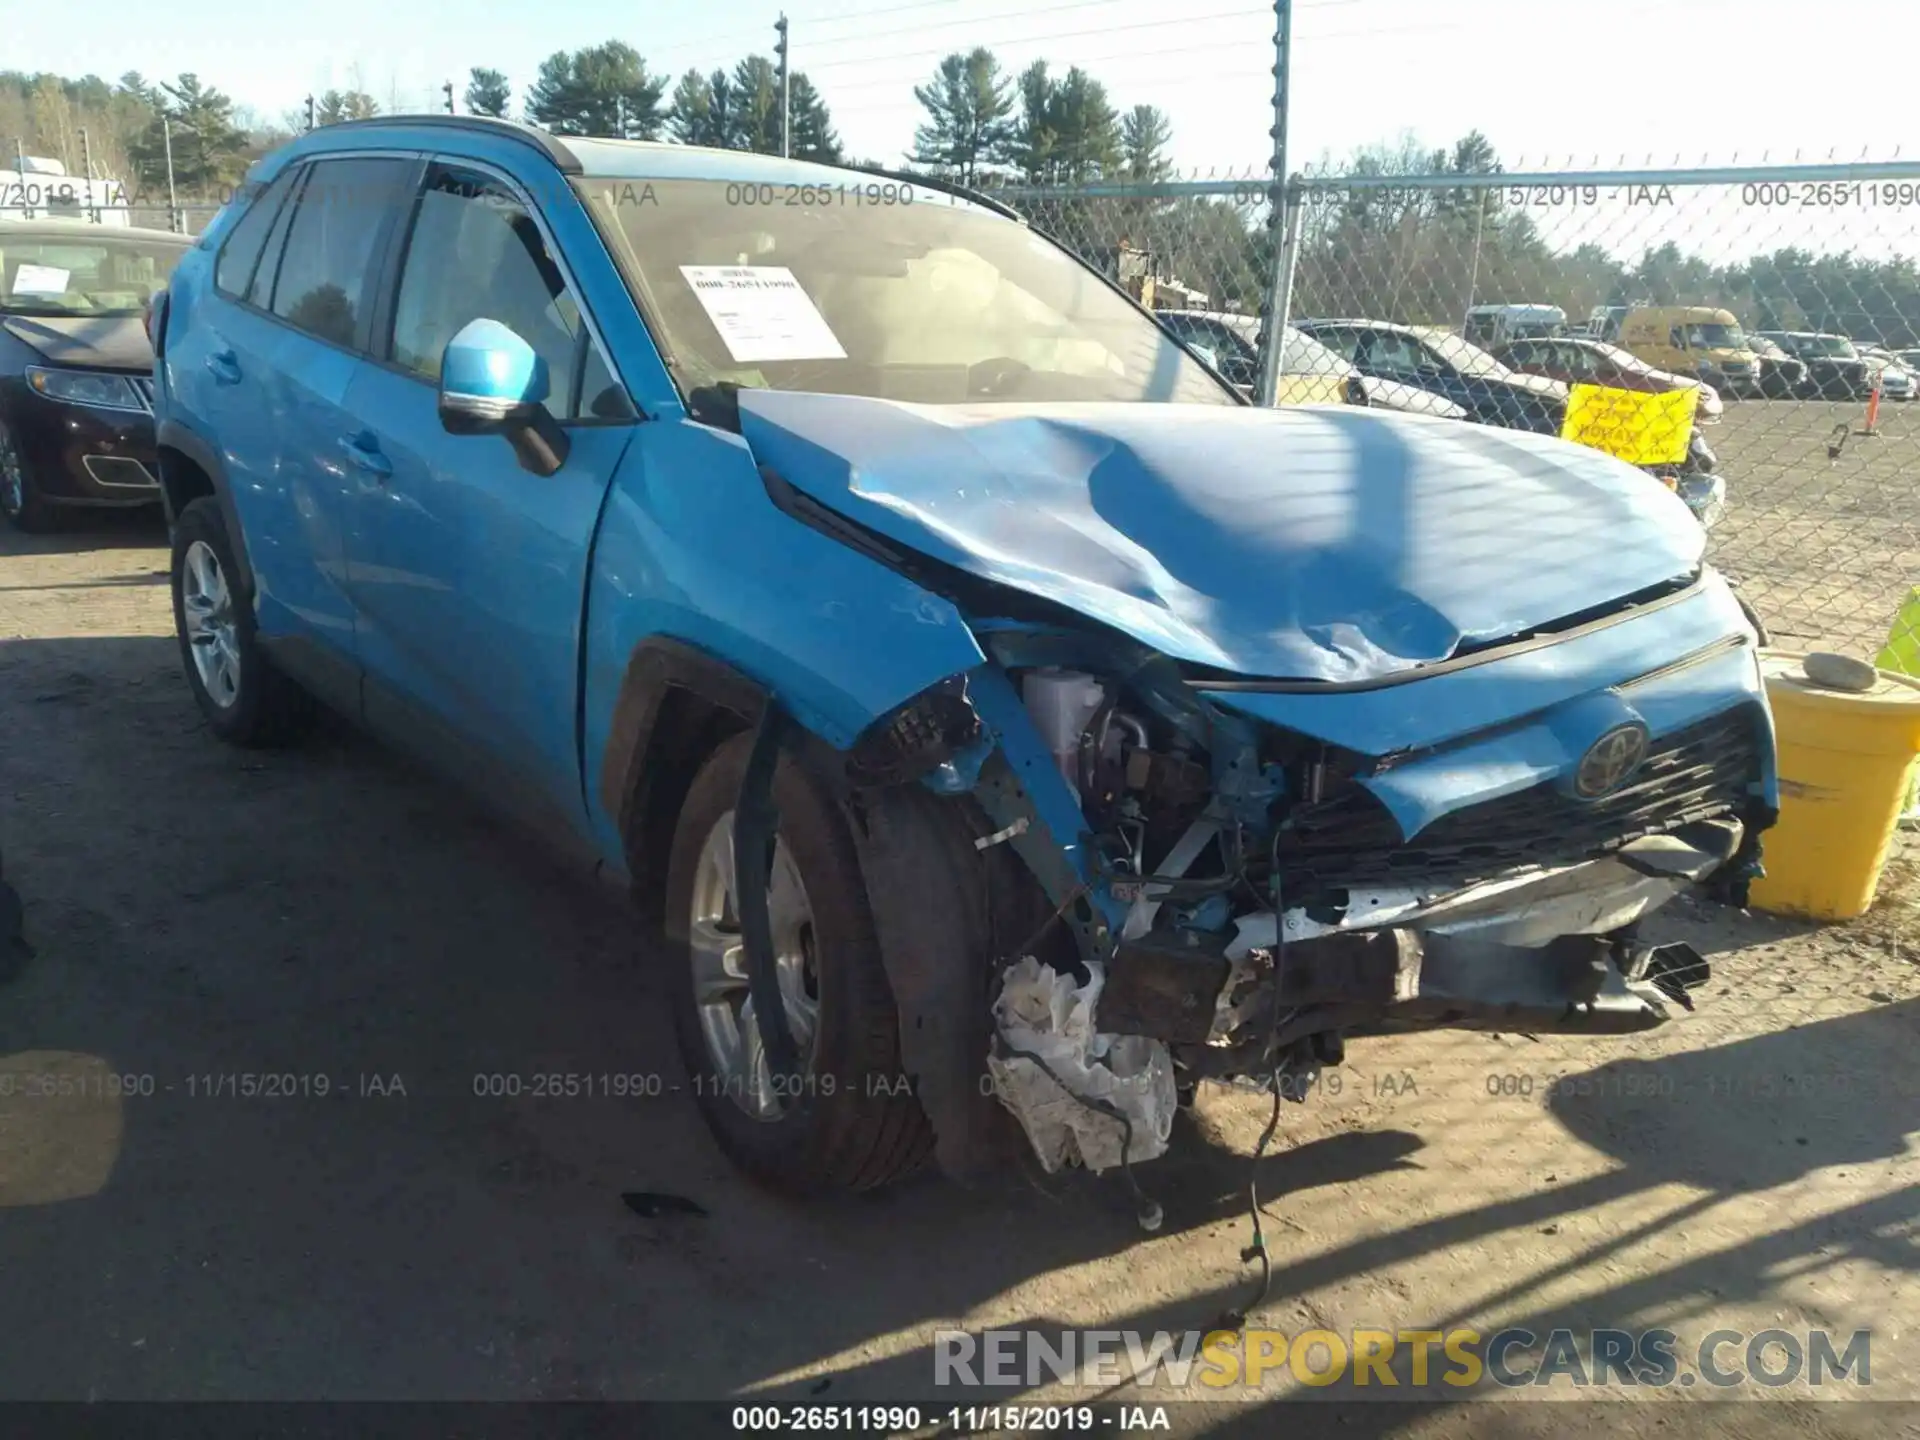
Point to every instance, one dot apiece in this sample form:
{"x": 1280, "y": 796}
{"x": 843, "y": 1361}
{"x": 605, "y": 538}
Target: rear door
{"x": 223, "y": 369}
{"x": 319, "y": 298}
{"x": 469, "y": 572}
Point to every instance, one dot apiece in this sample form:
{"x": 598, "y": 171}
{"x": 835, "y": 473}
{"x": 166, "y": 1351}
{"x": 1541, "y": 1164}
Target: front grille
{"x": 1351, "y": 840}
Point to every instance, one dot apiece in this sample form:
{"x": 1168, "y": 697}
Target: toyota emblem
{"x": 1610, "y": 760}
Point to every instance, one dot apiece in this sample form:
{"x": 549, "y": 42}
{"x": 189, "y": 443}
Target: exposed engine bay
{"x": 1242, "y": 898}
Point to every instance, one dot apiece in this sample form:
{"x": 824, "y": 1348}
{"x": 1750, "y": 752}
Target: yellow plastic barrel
{"x": 1845, "y": 760}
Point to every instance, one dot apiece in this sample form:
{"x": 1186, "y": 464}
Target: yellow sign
{"x": 1640, "y": 429}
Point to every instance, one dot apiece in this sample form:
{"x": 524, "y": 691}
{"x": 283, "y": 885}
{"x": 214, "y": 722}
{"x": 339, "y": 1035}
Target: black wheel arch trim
{"x": 173, "y": 435}
{"x": 660, "y": 665}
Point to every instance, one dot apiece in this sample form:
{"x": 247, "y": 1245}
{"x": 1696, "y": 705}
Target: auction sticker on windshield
{"x": 762, "y": 313}
{"x": 40, "y": 280}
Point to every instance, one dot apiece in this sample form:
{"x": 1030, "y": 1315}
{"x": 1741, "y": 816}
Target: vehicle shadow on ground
{"x": 81, "y": 531}
{"x": 1740, "y": 1118}
{"x": 330, "y": 912}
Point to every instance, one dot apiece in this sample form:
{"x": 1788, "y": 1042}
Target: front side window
{"x": 879, "y": 289}
{"x": 476, "y": 253}
{"x": 87, "y": 276}
{"x": 1578, "y": 362}
{"x": 324, "y": 286}
{"x": 1390, "y": 350}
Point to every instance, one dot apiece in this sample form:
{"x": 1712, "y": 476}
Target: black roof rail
{"x": 548, "y": 145}
{"x": 945, "y": 187}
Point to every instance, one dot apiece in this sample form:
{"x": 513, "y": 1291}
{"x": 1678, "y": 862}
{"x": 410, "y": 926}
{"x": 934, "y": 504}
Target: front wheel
{"x": 245, "y": 700}
{"x": 21, "y": 502}
{"x": 848, "y": 1119}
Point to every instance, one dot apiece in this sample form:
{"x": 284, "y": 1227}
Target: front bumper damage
{"x": 1160, "y": 880}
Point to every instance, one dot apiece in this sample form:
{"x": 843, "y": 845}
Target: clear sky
{"x": 1546, "y": 79}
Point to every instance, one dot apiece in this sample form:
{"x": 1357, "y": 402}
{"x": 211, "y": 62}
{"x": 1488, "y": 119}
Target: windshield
{"x": 880, "y": 289}
{"x": 1836, "y": 346}
{"x": 91, "y": 276}
{"x": 1715, "y": 337}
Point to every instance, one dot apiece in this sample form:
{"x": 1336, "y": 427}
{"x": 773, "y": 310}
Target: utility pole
{"x": 448, "y": 88}
{"x": 786, "y": 123}
{"x": 309, "y": 112}
{"x": 20, "y": 164}
{"x": 1273, "y": 308}
{"x": 173, "y": 205}
{"x": 86, "y": 162}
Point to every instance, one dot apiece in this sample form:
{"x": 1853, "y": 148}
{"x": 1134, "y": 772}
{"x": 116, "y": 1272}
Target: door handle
{"x": 363, "y": 453}
{"x": 224, "y": 366}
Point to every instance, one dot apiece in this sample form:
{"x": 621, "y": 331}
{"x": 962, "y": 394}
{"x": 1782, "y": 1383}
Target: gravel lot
{"x": 329, "y": 912}
{"x": 1826, "y": 549}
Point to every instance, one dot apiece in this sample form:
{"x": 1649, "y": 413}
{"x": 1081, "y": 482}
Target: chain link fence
{"x": 1791, "y": 292}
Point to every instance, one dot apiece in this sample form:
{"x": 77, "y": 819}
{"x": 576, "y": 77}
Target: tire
{"x": 852, "y": 1125}
{"x": 250, "y": 704}
{"x": 21, "y": 502}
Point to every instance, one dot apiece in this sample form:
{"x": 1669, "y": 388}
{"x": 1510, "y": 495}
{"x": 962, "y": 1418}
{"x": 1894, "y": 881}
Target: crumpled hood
{"x": 91, "y": 342}
{"x": 1333, "y": 543}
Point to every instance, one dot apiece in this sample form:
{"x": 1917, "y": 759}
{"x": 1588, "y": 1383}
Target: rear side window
{"x": 240, "y": 256}
{"x": 476, "y": 252}
{"x": 324, "y": 285}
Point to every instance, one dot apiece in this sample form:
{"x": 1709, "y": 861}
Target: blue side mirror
{"x": 490, "y": 380}
{"x": 494, "y": 383}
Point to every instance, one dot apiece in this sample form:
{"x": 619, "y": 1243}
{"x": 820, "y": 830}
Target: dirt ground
{"x": 1827, "y": 549}
{"x": 330, "y": 915}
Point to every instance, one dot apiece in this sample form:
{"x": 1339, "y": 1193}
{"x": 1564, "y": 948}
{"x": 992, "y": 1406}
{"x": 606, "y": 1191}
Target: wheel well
{"x": 687, "y": 728}
{"x": 182, "y": 481}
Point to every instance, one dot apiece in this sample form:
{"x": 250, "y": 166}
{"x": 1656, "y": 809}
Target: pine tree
{"x": 208, "y": 148}
{"x": 813, "y": 136}
{"x": 970, "y": 122}
{"x": 690, "y": 115}
{"x": 488, "y": 93}
{"x": 1145, "y": 134}
{"x": 603, "y": 89}
{"x": 755, "y": 122}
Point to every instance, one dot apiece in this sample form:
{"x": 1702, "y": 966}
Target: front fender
{"x": 693, "y": 550}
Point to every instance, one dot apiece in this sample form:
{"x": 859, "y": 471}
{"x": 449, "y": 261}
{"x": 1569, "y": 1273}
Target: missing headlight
{"x": 912, "y": 739}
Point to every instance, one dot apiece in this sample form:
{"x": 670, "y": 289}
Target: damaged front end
{"x": 1151, "y": 875}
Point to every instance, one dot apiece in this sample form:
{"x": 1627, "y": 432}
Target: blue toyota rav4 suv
{"x": 911, "y": 622}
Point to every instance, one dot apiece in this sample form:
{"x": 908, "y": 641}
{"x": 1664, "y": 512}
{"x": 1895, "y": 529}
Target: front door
{"x": 468, "y": 572}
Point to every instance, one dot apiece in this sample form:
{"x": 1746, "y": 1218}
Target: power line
{"x": 699, "y": 42}
{"x": 1216, "y": 47}
{"x": 974, "y": 20}
{"x": 1058, "y": 35}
